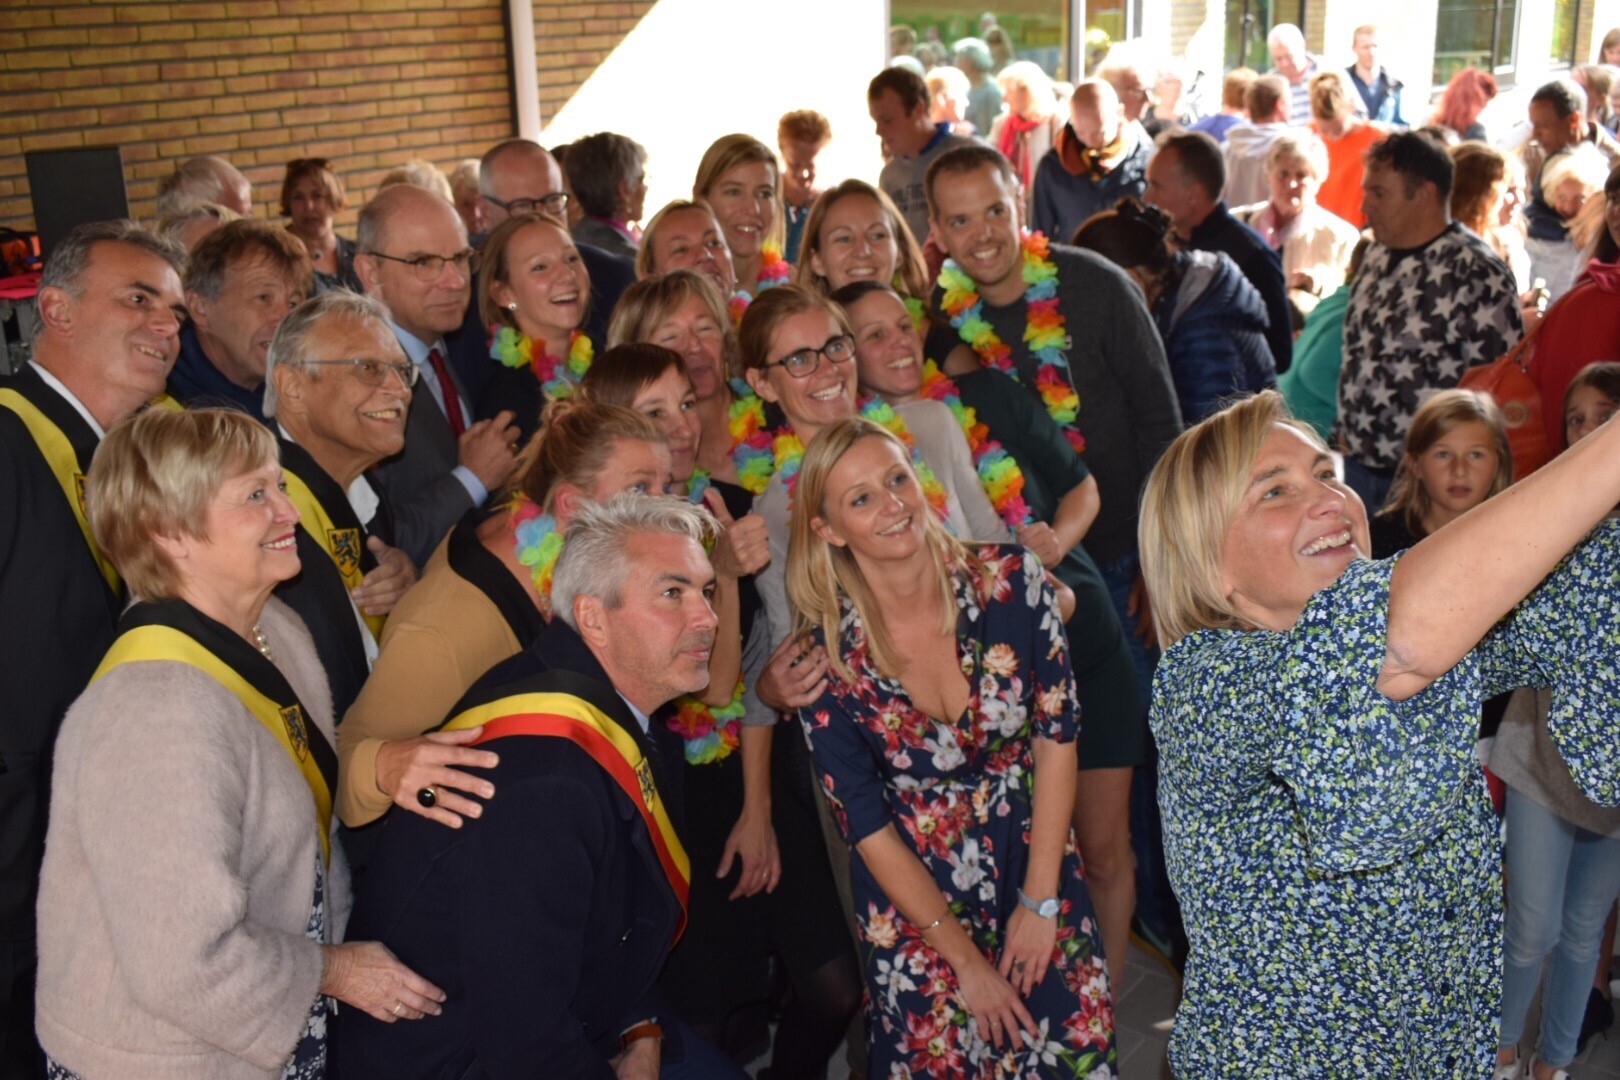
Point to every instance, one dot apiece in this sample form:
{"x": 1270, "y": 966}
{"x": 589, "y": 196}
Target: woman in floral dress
{"x": 981, "y": 948}
{"x": 1327, "y": 826}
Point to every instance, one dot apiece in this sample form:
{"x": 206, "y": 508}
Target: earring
{"x": 512, "y": 306}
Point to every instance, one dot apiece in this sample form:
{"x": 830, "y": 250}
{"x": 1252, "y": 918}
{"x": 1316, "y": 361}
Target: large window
{"x": 1566, "y": 15}
{"x": 1037, "y": 30}
{"x": 1247, "y": 24}
{"x": 1477, "y": 33}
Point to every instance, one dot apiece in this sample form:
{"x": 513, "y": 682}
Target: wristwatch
{"x": 1046, "y": 909}
{"x": 647, "y": 1029}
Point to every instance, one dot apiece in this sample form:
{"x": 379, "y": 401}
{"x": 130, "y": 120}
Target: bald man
{"x": 1097, "y": 159}
{"x": 205, "y": 179}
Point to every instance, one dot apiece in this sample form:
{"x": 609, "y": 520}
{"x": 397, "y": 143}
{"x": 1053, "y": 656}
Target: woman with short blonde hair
{"x": 1315, "y": 244}
{"x": 1316, "y": 714}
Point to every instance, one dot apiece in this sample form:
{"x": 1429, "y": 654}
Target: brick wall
{"x": 366, "y": 83}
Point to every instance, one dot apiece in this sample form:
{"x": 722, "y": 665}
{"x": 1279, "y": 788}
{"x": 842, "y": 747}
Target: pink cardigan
{"x": 179, "y": 871}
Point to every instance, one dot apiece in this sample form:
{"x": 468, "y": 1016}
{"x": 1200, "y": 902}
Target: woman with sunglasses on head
{"x": 311, "y": 195}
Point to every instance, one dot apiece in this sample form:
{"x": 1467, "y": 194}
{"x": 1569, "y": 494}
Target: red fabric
{"x": 1015, "y": 148}
{"x": 452, "y": 400}
{"x": 1582, "y": 328}
{"x": 1340, "y": 192}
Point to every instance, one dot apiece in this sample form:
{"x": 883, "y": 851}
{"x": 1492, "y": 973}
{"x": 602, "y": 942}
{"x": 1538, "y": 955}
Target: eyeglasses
{"x": 805, "y": 362}
{"x": 373, "y": 373}
{"x": 429, "y": 267}
{"x": 555, "y": 203}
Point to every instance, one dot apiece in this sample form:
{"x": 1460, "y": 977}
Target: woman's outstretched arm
{"x": 1450, "y": 589}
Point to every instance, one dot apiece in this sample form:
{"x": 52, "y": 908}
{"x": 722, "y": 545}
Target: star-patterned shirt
{"x": 1418, "y": 318}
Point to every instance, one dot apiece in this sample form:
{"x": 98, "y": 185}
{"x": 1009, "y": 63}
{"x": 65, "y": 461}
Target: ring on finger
{"x": 427, "y": 798}
{"x": 398, "y": 1006}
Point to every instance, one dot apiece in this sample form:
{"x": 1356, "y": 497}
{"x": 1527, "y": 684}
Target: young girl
{"x": 1457, "y": 456}
{"x": 1563, "y": 849}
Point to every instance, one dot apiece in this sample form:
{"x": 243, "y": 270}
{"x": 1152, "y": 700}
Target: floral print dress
{"x": 1334, "y": 851}
{"x": 960, "y": 796}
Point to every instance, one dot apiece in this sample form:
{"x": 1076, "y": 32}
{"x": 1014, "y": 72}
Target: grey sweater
{"x": 1526, "y": 759}
{"x": 1128, "y": 410}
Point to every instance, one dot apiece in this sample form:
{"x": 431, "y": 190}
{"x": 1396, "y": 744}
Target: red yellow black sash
{"x": 69, "y": 471}
{"x": 174, "y": 631}
{"x": 609, "y": 745}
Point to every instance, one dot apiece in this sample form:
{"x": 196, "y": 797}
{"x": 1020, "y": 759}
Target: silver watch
{"x": 1046, "y": 909}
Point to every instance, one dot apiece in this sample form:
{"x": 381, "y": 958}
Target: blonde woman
{"x": 739, "y": 181}
{"x": 944, "y": 740}
{"x": 1315, "y": 245}
{"x": 1327, "y": 826}
{"x": 1030, "y": 121}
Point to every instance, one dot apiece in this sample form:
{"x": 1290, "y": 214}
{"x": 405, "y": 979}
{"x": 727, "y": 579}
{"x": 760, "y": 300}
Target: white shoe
{"x": 1512, "y": 1071}
{"x": 1558, "y": 1074}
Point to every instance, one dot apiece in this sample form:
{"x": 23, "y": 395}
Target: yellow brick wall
{"x": 365, "y": 83}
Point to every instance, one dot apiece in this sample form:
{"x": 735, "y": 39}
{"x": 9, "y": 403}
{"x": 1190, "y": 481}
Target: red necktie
{"x": 452, "y": 400}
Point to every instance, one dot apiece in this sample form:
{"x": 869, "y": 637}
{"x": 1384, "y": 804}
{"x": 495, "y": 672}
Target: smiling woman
{"x": 1316, "y": 715}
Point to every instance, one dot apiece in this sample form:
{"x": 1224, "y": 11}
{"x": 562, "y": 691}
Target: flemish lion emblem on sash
{"x": 79, "y": 485}
{"x": 649, "y": 791}
{"x": 345, "y": 549}
{"x": 297, "y": 733}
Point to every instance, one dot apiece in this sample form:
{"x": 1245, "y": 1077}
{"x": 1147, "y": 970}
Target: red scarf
{"x": 1015, "y": 147}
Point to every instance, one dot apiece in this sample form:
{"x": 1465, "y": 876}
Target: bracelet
{"x": 933, "y": 925}
{"x": 644, "y": 1030}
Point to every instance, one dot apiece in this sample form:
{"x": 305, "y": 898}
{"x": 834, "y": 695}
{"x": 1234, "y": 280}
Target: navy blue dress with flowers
{"x": 960, "y": 796}
{"x": 1335, "y": 852}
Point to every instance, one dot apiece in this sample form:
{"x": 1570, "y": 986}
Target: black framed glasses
{"x": 372, "y": 372}
{"x": 805, "y": 362}
{"x": 554, "y": 203}
{"x": 429, "y": 267}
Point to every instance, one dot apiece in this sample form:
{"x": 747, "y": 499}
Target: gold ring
{"x": 398, "y": 1005}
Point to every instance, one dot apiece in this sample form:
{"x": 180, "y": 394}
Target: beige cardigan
{"x": 179, "y": 871}
{"x": 440, "y": 638}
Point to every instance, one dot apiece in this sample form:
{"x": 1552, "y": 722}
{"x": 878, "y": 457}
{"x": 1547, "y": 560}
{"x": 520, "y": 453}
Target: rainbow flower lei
{"x": 1044, "y": 331}
{"x": 999, "y": 472}
{"x": 760, "y": 454}
{"x": 711, "y": 735}
{"x": 537, "y": 540}
{"x": 558, "y": 377}
{"x": 738, "y": 307}
{"x": 774, "y": 269}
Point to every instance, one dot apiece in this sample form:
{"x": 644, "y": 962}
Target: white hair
{"x": 290, "y": 345}
{"x": 596, "y": 552}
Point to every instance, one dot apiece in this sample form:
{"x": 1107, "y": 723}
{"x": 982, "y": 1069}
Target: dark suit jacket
{"x": 1261, "y": 265}
{"x": 545, "y": 921}
{"x": 417, "y": 484}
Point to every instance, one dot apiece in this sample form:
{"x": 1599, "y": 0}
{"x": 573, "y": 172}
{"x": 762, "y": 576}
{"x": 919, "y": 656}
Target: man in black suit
{"x": 110, "y": 312}
{"x": 547, "y": 916}
{"x": 413, "y": 256}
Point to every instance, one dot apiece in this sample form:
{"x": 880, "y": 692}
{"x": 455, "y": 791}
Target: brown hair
{"x": 726, "y": 153}
{"x": 1476, "y": 168}
{"x": 575, "y": 442}
{"x": 1603, "y": 376}
{"x": 1235, "y": 87}
{"x": 910, "y": 271}
{"x": 968, "y": 158}
{"x": 1468, "y": 92}
{"x": 804, "y": 125}
{"x": 1330, "y": 98}
{"x": 644, "y": 254}
{"x": 770, "y": 310}
{"x": 1442, "y": 413}
{"x": 492, "y": 266}
{"x": 906, "y": 85}
{"x": 820, "y": 574}
{"x": 623, "y": 371}
{"x": 155, "y": 474}
{"x": 652, "y": 300}
{"x": 233, "y": 241}
{"x": 319, "y": 168}
{"x": 1264, "y": 95}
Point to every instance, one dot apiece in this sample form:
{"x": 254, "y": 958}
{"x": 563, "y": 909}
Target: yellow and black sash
{"x": 174, "y": 630}
{"x": 67, "y": 443}
{"x": 572, "y": 717}
{"x": 325, "y": 513}
{"x": 476, "y": 565}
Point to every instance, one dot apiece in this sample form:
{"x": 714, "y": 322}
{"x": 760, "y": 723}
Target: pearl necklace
{"x": 262, "y": 643}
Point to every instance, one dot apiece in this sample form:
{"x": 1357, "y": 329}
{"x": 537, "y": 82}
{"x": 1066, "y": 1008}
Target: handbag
{"x": 1508, "y": 383}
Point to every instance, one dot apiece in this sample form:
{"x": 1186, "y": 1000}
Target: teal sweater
{"x": 1311, "y": 384}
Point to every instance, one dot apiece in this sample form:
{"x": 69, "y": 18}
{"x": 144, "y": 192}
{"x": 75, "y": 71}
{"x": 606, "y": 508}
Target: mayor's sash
{"x": 330, "y": 519}
{"x": 64, "y": 463}
{"x": 174, "y": 631}
{"x": 569, "y": 717}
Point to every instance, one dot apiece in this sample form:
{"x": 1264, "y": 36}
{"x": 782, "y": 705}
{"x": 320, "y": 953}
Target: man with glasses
{"x": 413, "y": 257}
{"x": 338, "y": 392}
{"x": 521, "y": 177}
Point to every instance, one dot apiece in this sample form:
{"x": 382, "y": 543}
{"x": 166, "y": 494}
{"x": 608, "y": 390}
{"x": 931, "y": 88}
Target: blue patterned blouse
{"x": 1334, "y": 851}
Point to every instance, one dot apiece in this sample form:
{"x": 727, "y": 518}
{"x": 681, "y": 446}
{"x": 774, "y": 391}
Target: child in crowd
{"x": 1457, "y": 456}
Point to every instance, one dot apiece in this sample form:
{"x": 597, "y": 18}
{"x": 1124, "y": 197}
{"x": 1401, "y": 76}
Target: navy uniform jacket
{"x": 546, "y": 921}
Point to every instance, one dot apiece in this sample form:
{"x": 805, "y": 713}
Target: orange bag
{"x": 1508, "y": 383}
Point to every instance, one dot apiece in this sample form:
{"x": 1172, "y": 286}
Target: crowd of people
{"x": 402, "y": 629}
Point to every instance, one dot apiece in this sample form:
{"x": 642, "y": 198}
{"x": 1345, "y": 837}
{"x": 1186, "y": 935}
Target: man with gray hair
{"x": 1289, "y": 58}
{"x": 205, "y": 179}
{"x": 110, "y": 312}
{"x": 570, "y": 887}
{"x": 338, "y": 391}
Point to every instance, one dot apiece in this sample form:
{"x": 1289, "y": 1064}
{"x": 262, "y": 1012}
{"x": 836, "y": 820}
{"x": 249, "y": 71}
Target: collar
{"x": 56, "y": 384}
{"x": 363, "y": 498}
{"x": 641, "y": 717}
{"x": 941, "y": 130}
{"x": 195, "y": 381}
{"x": 1218, "y": 219}
{"x": 415, "y": 347}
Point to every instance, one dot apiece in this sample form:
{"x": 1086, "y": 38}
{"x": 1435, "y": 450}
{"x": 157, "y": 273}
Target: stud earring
{"x": 512, "y": 306}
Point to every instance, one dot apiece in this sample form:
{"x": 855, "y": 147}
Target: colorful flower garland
{"x": 1043, "y": 331}
{"x": 774, "y": 270}
{"x": 514, "y": 349}
{"x": 738, "y": 307}
{"x": 759, "y": 454}
{"x": 538, "y": 542}
{"x": 999, "y": 472}
{"x": 711, "y": 734}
